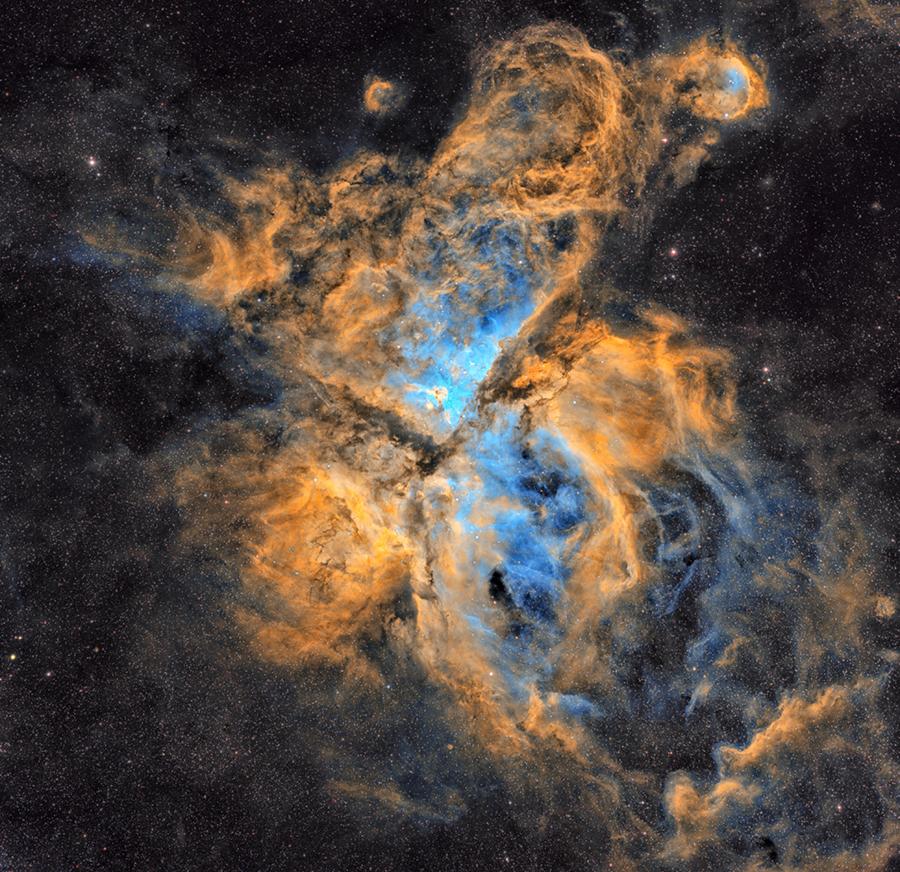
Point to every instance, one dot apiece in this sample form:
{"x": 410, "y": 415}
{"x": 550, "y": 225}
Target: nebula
{"x": 522, "y": 528}
{"x": 381, "y": 96}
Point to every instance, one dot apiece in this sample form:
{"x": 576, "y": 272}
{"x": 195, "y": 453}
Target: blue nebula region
{"x": 735, "y": 80}
{"x": 536, "y": 528}
{"x": 478, "y": 288}
{"x": 525, "y": 492}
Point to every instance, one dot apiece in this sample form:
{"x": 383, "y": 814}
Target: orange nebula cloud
{"x": 381, "y": 96}
{"x": 717, "y": 81}
{"x": 555, "y": 130}
{"x": 447, "y": 402}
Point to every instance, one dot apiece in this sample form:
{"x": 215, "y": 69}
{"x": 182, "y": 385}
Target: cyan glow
{"x": 454, "y": 328}
{"x": 735, "y": 80}
{"x": 523, "y": 507}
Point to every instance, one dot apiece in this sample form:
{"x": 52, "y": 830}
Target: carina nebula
{"x": 473, "y": 545}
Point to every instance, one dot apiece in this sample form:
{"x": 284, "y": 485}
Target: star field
{"x": 451, "y": 436}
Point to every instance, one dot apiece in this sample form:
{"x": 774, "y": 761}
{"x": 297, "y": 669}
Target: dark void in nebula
{"x": 450, "y": 438}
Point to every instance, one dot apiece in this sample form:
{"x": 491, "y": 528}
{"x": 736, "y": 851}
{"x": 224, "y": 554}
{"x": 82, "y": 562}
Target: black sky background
{"x": 135, "y": 734}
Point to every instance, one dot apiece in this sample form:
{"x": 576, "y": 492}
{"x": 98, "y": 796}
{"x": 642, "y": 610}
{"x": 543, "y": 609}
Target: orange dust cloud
{"x": 339, "y": 509}
{"x": 332, "y": 537}
{"x": 381, "y": 96}
{"x": 716, "y": 81}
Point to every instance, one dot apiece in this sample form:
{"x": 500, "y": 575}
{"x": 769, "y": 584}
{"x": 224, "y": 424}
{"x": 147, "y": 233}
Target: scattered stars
{"x": 179, "y": 699}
